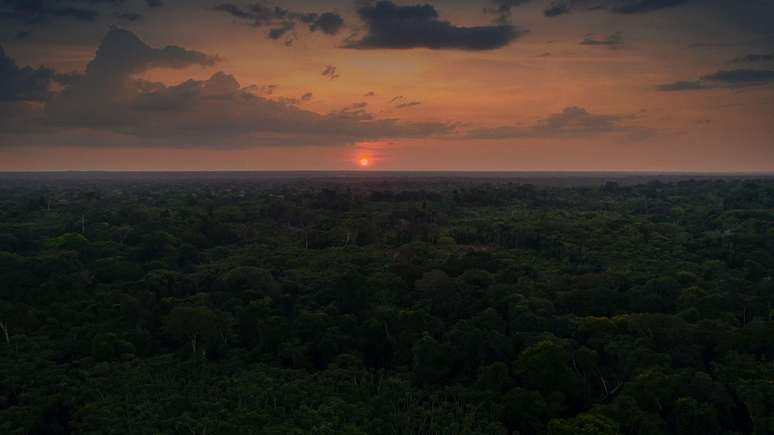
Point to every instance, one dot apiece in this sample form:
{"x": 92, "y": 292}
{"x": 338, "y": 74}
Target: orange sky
{"x": 543, "y": 101}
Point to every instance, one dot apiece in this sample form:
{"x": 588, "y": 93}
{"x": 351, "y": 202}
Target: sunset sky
{"x": 657, "y": 85}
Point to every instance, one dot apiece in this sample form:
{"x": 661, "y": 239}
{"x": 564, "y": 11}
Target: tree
{"x": 195, "y": 324}
{"x": 584, "y": 424}
{"x": 69, "y": 242}
{"x": 545, "y": 366}
{"x": 251, "y": 278}
{"x": 8, "y": 313}
{"x": 432, "y": 360}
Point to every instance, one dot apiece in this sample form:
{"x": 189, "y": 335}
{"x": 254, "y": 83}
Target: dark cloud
{"x": 408, "y": 104}
{"x": 175, "y": 98}
{"x": 154, "y": 3}
{"x": 727, "y": 44}
{"x": 682, "y": 85}
{"x": 108, "y": 78}
{"x": 370, "y": 94}
{"x": 19, "y": 117}
{"x": 67, "y": 79}
{"x": 755, "y": 58}
{"x": 556, "y": 9}
{"x": 328, "y": 23}
{"x": 130, "y": 16}
{"x": 237, "y": 12}
{"x": 110, "y": 99}
{"x": 502, "y": 9}
{"x": 79, "y": 14}
{"x": 355, "y": 107}
{"x": 282, "y": 21}
{"x": 572, "y": 122}
{"x": 638, "y": 6}
{"x": 307, "y": 96}
{"x": 23, "y": 84}
{"x": 741, "y": 77}
{"x": 330, "y": 72}
{"x": 613, "y": 41}
{"x": 738, "y": 78}
{"x": 282, "y": 30}
{"x": 404, "y": 27}
{"x": 122, "y": 53}
{"x": 268, "y": 89}
{"x": 44, "y": 11}
{"x": 401, "y": 102}
{"x": 27, "y": 84}
{"x": 23, "y": 34}
{"x": 561, "y": 7}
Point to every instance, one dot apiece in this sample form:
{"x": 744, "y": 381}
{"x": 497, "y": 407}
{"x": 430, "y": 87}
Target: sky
{"x": 522, "y": 85}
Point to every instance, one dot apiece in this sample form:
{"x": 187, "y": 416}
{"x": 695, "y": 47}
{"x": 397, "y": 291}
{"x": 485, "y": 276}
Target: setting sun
{"x": 364, "y": 162}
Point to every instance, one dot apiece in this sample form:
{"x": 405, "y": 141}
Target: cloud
{"x": 502, "y": 9}
{"x": 282, "y": 21}
{"x": 354, "y": 107}
{"x": 755, "y": 58}
{"x": 572, "y": 122}
{"x": 44, "y": 11}
{"x": 79, "y": 14}
{"x": 556, "y": 9}
{"x": 122, "y": 53}
{"x": 238, "y": 12}
{"x": 130, "y": 16}
{"x": 282, "y": 29}
{"x": 110, "y": 98}
{"x": 154, "y": 3}
{"x": 612, "y": 41}
{"x": 561, "y": 7}
{"x": 330, "y": 72}
{"x": 108, "y": 79}
{"x": 401, "y": 102}
{"x": 269, "y": 89}
{"x": 27, "y": 84}
{"x": 408, "y": 104}
{"x": 727, "y": 43}
{"x": 737, "y": 78}
{"x": 390, "y": 26}
{"x": 307, "y": 96}
{"x": 741, "y": 77}
{"x": 682, "y": 85}
{"x": 370, "y": 94}
{"x": 328, "y": 23}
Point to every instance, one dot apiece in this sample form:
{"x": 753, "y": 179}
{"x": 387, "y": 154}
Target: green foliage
{"x": 68, "y": 242}
{"x": 584, "y": 424}
{"x": 387, "y": 305}
{"x": 194, "y": 324}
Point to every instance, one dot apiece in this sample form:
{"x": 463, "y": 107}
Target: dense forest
{"x": 386, "y": 305}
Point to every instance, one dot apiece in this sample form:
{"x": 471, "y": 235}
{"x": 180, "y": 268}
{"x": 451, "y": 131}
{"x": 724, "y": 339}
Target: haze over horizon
{"x": 503, "y": 85}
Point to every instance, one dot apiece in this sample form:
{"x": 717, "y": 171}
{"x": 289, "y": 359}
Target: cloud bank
{"x": 562, "y": 7}
{"x": 724, "y": 79}
{"x": 390, "y": 26}
{"x": 282, "y": 22}
{"x": 109, "y": 97}
{"x": 572, "y": 122}
{"x": 27, "y": 84}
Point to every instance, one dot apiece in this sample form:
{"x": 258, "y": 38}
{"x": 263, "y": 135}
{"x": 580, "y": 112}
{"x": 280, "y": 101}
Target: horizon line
{"x": 392, "y": 171}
